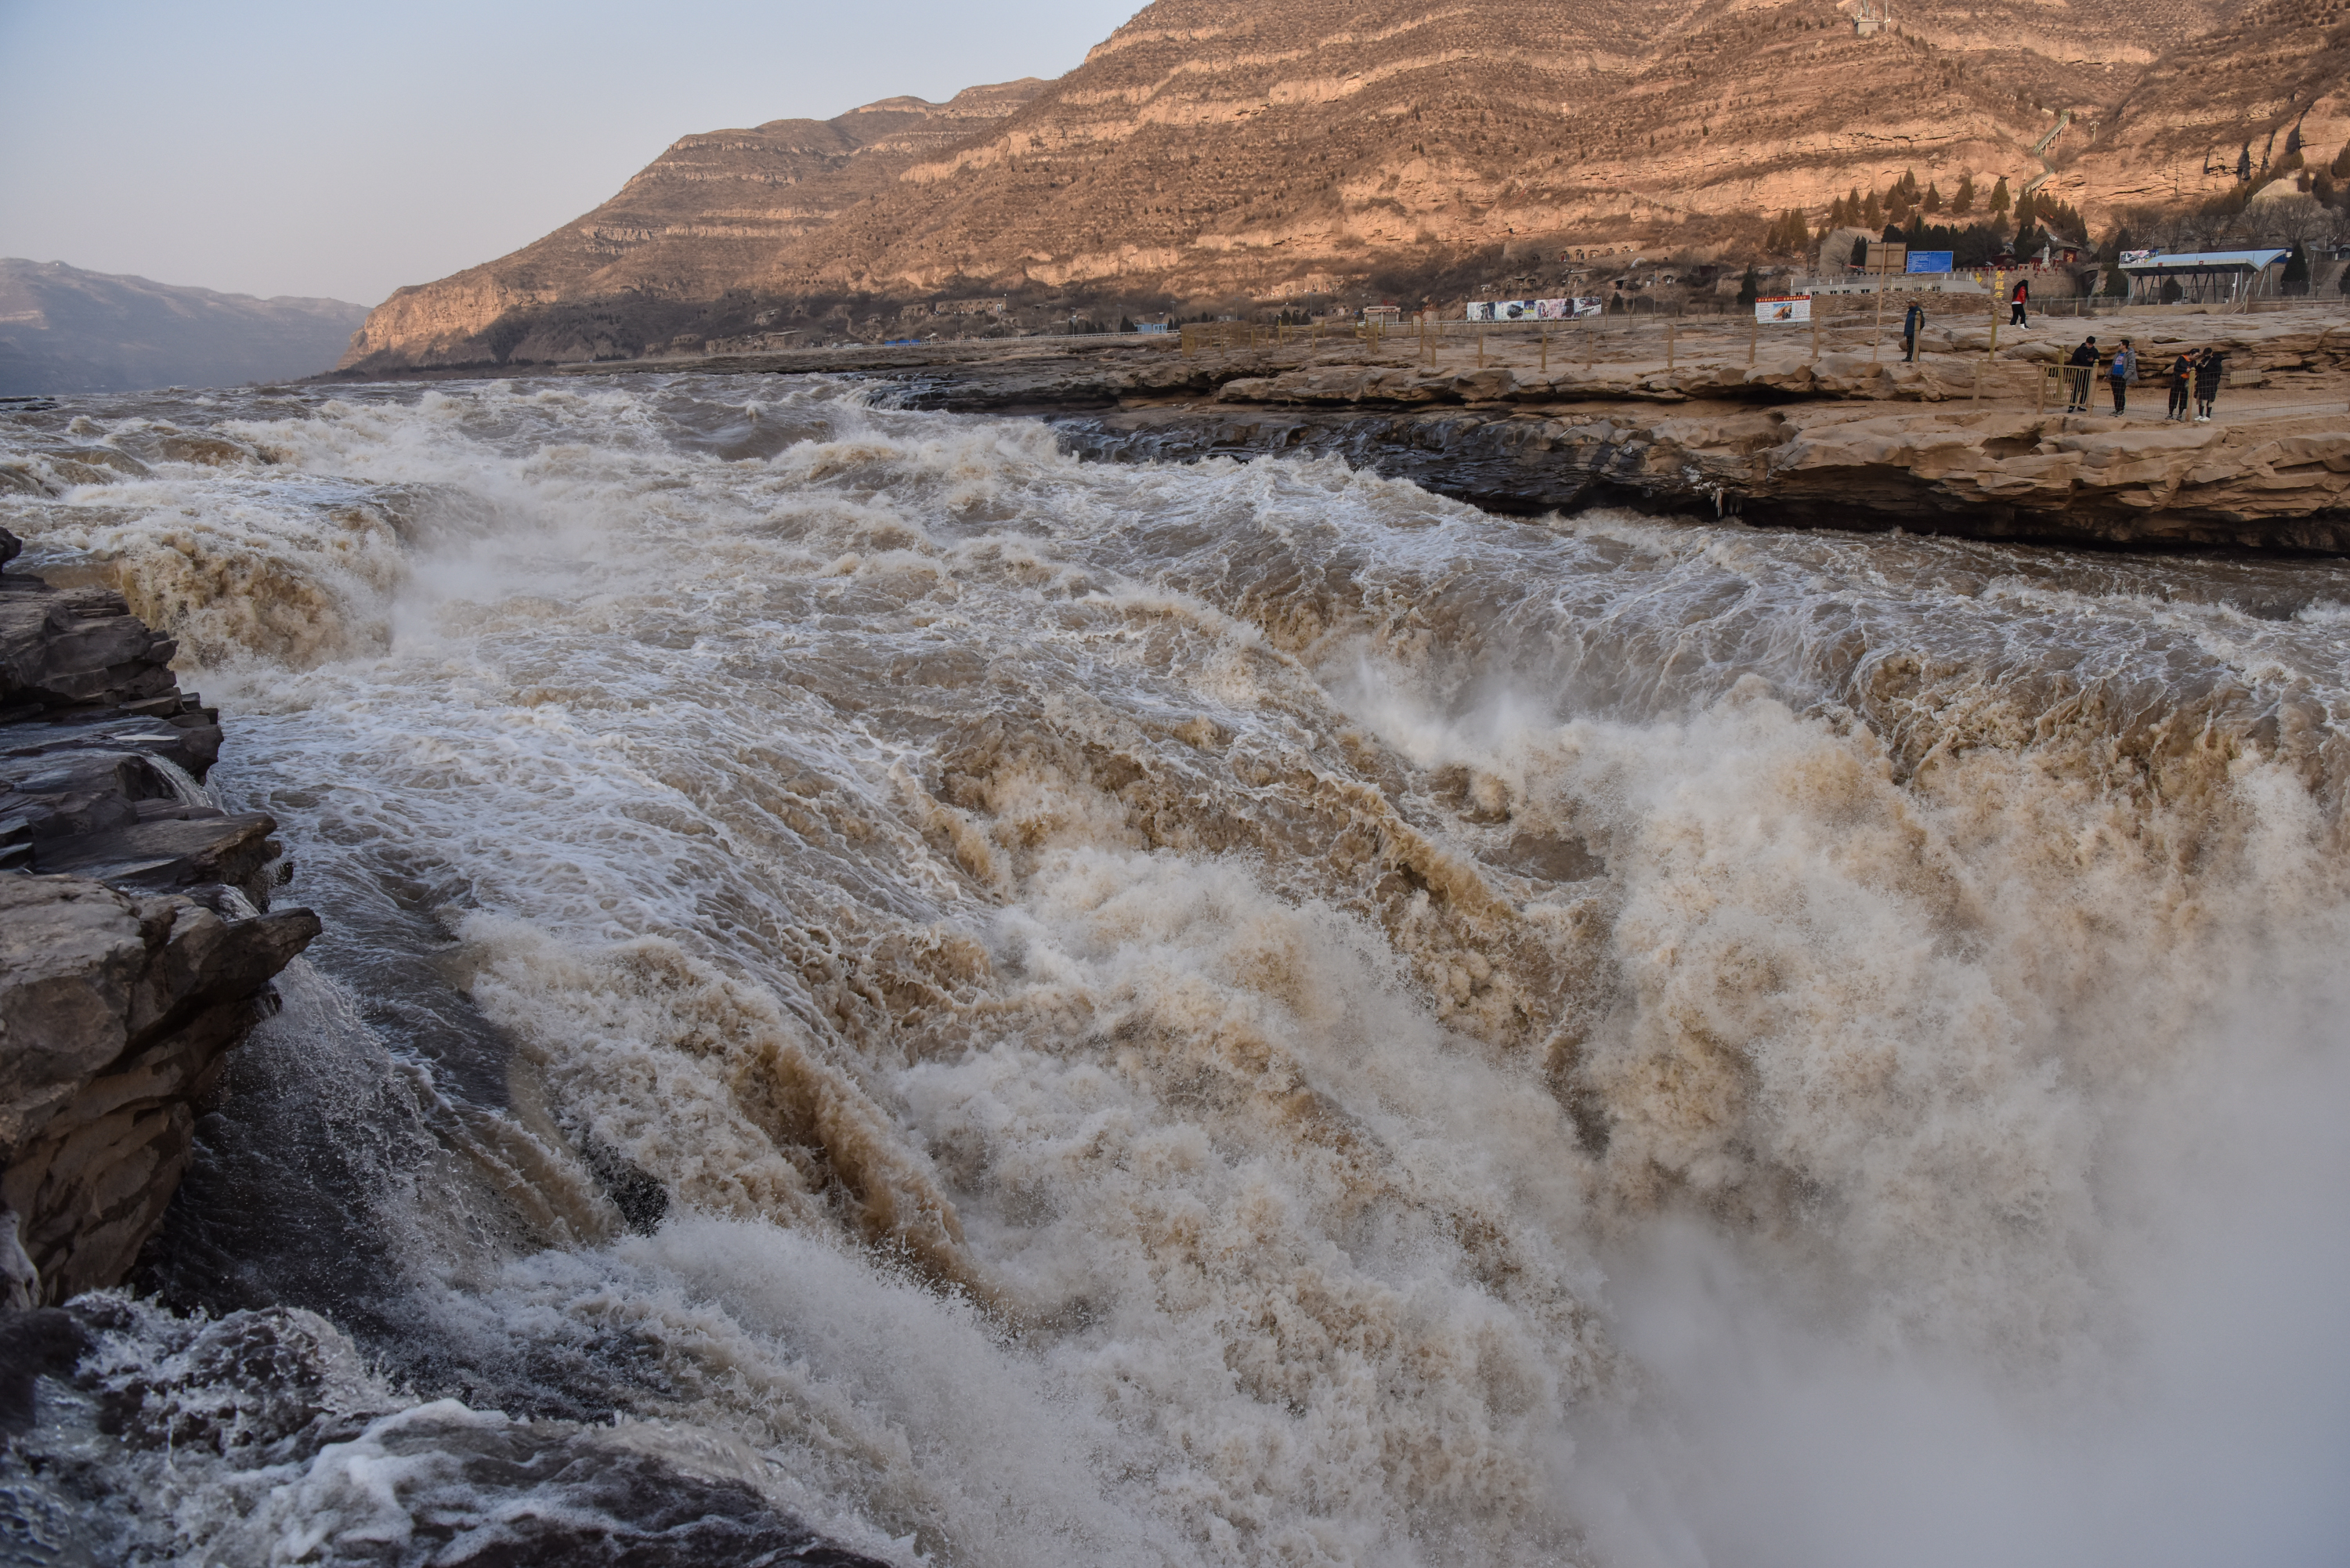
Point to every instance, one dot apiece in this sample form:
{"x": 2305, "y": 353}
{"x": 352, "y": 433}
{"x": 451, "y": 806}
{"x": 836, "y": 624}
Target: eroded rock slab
{"x": 116, "y": 1011}
{"x": 2277, "y": 483}
{"x": 134, "y": 951}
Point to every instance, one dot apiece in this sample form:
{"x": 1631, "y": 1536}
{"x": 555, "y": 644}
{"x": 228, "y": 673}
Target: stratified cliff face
{"x": 1215, "y": 146}
{"x": 707, "y": 216}
{"x": 2273, "y": 67}
{"x": 1254, "y": 146}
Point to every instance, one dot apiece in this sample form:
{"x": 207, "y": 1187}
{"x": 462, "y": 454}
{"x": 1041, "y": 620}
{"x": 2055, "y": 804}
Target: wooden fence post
{"x": 1672, "y": 337}
{"x": 1753, "y": 339}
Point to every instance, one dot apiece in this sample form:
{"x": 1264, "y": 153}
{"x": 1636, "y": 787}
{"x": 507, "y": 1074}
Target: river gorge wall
{"x": 136, "y": 941}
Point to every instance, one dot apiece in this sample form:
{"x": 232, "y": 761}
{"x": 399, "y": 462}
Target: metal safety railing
{"x": 1836, "y": 325}
{"x": 1200, "y": 336}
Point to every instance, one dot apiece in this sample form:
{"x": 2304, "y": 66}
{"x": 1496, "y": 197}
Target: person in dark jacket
{"x": 2121, "y": 373}
{"x": 1913, "y": 323}
{"x": 2017, "y": 302}
{"x": 2209, "y": 372}
{"x": 2079, "y": 365}
{"x": 2182, "y": 385}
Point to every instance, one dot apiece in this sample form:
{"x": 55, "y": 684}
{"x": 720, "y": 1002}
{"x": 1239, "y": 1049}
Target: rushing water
{"x": 1030, "y": 1013}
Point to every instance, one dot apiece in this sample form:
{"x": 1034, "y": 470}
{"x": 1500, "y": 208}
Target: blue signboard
{"x": 1931, "y": 261}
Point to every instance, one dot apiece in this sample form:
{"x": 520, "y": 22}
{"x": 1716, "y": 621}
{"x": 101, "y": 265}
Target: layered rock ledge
{"x": 1717, "y": 417}
{"x": 136, "y": 944}
{"x": 2278, "y": 482}
{"x": 1972, "y": 439}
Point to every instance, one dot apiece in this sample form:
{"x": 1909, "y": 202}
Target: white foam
{"x": 1246, "y": 1013}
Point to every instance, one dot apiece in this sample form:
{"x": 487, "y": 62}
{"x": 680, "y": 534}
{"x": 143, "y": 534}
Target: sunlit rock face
{"x": 705, "y": 217}
{"x": 1211, "y": 147}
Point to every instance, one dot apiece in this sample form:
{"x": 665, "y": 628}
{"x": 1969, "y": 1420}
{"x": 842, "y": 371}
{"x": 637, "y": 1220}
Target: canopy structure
{"x": 2204, "y": 277}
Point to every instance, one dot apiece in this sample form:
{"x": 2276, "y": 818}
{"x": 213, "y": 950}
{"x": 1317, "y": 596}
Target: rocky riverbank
{"x": 136, "y": 942}
{"x": 1714, "y": 417}
{"x": 2282, "y": 482}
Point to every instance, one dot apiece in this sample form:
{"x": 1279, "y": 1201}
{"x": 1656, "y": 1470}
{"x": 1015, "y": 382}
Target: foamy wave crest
{"x": 1066, "y": 1013}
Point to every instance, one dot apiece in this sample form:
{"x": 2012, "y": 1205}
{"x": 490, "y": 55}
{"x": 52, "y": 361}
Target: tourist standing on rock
{"x": 1911, "y": 325}
{"x": 2017, "y": 301}
{"x": 2121, "y": 373}
{"x": 2208, "y": 372}
{"x": 2078, "y": 367}
{"x": 2183, "y": 384}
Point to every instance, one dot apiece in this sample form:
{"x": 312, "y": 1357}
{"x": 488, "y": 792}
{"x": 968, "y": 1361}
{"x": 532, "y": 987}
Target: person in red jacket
{"x": 2017, "y": 302}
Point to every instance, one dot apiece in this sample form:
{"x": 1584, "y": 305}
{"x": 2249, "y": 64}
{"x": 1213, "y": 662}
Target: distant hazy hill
{"x": 65, "y": 330}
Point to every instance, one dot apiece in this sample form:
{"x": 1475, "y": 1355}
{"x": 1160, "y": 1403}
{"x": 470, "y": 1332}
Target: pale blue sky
{"x": 344, "y": 150}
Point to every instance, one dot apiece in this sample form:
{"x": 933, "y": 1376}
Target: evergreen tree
{"x": 2293, "y": 140}
{"x": 1933, "y": 203}
{"x": 2244, "y": 164}
{"x": 1962, "y": 201}
{"x": 1999, "y": 197}
{"x": 1750, "y": 288}
{"x": 2340, "y": 167}
{"x": 1871, "y": 213}
{"x": 2296, "y": 268}
{"x": 1789, "y": 236}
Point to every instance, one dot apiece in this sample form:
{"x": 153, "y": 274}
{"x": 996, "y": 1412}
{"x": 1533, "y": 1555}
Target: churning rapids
{"x": 1033, "y": 1012}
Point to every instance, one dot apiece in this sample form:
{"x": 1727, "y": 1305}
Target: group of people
{"x": 2195, "y": 373}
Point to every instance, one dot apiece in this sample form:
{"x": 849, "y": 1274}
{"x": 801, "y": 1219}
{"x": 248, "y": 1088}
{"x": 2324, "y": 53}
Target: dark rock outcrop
{"x": 116, "y": 1014}
{"x": 134, "y": 950}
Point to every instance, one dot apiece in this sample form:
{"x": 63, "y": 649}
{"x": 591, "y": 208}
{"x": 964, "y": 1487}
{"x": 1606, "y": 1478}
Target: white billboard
{"x": 1532, "y": 309}
{"x": 1783, "y": 309}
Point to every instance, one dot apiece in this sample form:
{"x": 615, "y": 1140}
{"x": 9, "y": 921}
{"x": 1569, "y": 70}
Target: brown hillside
{"x": 1279, "y": 148}
{"x": 708, "y": 215}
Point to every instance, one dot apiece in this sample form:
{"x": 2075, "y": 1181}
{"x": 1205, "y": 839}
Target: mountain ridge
{"x": 67, "y": 330}
{"x": 1213, "y": 150}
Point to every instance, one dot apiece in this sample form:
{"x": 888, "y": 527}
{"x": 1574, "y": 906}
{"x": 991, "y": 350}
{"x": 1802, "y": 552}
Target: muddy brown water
{"x": 1021, "y": 1010}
